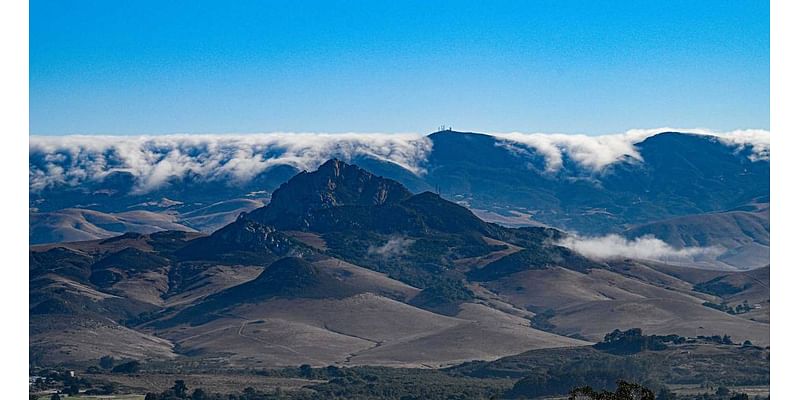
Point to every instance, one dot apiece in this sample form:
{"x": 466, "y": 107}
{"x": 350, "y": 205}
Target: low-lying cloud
{"x": 395, "y": 246}
{"x": 643, "y": 248}
{"x": 597, "y": 152}
{"x": 154, "y": 160}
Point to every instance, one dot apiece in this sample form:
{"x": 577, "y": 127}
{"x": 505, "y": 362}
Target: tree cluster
{"x": 632, "y": 341}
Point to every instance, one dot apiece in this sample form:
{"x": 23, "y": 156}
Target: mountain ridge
{"x": 675, "y": 174}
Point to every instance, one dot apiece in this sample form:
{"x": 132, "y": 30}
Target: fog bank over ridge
{"x": 597, "y": 152}
{"x": 237, "y": 158}
{"x": 153, "y": 160}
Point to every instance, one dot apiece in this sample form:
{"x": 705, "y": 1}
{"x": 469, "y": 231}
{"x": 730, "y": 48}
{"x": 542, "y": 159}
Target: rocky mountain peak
{"x": 334, "y": 184}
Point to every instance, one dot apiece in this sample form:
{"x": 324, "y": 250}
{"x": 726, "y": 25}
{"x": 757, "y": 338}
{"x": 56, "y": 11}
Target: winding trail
{"x": 264, "y": 342}
{"x": 350, "y": 356}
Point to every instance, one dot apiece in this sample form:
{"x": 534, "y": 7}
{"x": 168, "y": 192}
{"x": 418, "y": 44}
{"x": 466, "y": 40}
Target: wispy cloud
{"x": 393, "y": 247}
{"x": 644, "y": 248}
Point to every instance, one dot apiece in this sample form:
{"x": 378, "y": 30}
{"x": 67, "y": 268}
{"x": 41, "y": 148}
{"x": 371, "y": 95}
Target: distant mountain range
{"x": 630, "y": 188}
{"x": 345, "y": 267}
{"x": 677, "y": 174}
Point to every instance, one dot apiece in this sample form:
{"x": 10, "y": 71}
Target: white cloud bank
{"x": 154, "y": 160}
{"x": 597, "y": 152}
{"x": 643, "y": 248}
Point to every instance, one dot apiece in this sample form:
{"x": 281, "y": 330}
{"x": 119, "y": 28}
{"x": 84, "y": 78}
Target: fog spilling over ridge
{"x": 596, "y": 152}
{"x": 154, "y": 160}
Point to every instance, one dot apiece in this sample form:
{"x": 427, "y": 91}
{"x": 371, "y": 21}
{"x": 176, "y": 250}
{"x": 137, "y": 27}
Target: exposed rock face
{"x": 334, "y": 184}
{"x": 243, "y": 235}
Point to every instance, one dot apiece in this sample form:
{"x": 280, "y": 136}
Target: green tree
{"x": 727, "y": 340}
{"x": 249, "y": 393}
{"x": 130, "y": 367}
{"x": 306, "y": 371}
{"x": 106, "y": 362}
{"x": 180, "y": 389}
{"x": 198, "y": 394}
{"x": 332, "y": 370}
{"x": 625, "y": 391}
{"x": 72, "y": 390}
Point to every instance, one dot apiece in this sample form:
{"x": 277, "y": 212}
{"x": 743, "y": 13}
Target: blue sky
{"x": 149, "y": 67}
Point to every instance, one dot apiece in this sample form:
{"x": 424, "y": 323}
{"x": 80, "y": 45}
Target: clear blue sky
{"x": 135, "y": 67}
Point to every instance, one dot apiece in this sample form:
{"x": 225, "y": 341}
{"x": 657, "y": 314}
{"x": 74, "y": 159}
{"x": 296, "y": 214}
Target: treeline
{"x": 179, "y": 391}
{"x": 632, "y": 391}
{"x": 632, "y": 341}
{"x": 739, "y": 309}
{"x": 652, "y": 361}
{"x": 620, "y": 390}
{"x": 357, "y": 385}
